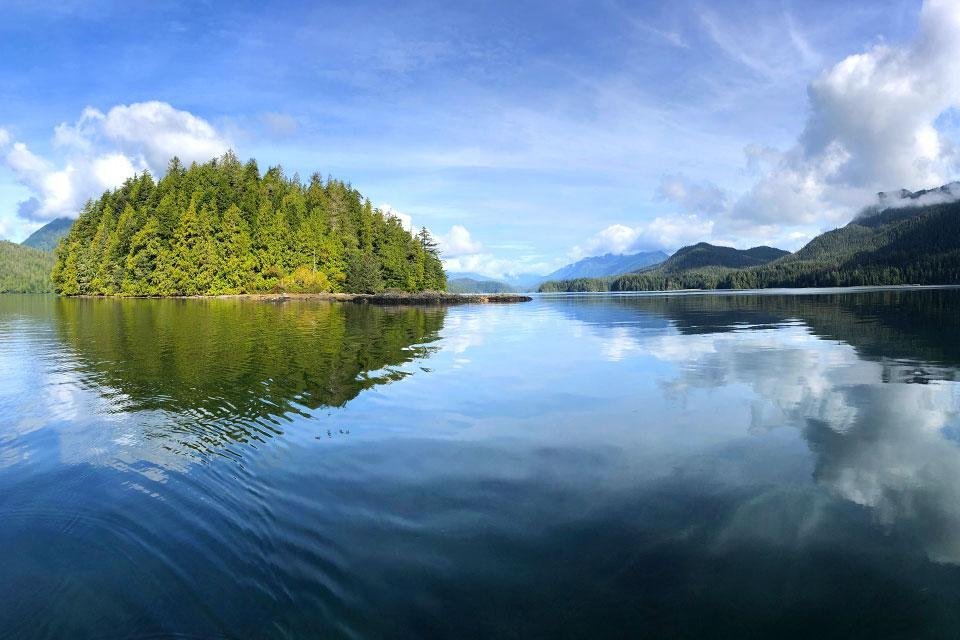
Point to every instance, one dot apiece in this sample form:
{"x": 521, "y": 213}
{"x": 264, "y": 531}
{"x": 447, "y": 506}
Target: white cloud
{"x": 871, "y": 127}
{"x": 876, "y": 442}
{"x": 692, "y": 197}
{"x": 158, "y": 132}
{"x": 902, "y": 199}
{"x": 406, "y": 221}
{"x": 663, "y": 232}
{"x": 101, "y": 150}
{"x": 488, "y": 265}
{"x": 458, "y": 242}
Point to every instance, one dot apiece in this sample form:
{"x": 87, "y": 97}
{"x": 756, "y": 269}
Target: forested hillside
{"x": 704, "y": 254}
{"x": 223, "y": 227}
{"x": 700, "y": 265}
{"x": 472, "y": 285}
{"x": 904, "y": 244}
{"x": 24, "y": 270}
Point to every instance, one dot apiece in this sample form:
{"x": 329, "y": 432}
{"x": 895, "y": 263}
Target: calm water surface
{"x": 645, "y": 466}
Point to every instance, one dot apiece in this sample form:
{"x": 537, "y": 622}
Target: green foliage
{"x": 24, "y": 270}
{"x": 297, "y": 355}
{"x": 907, "y": 245}
{"x": 471, "y": 285}
{"x": 222, "y": 228}
{"x": 705, "y": 255}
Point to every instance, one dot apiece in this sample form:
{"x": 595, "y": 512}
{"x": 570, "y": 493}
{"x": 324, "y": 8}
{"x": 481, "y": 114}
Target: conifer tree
{"x": 221, "y": 227}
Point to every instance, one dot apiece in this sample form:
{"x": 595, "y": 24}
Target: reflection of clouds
{"x": 618, "y": 343}
{"x": 92, "y": 428}
{"x": 675, "y": 347}
{"x": 625, "y": 341}
{"x": 877, "y": 444}
{"x": 462, "y": 332}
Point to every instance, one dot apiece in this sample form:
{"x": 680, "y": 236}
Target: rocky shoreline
{"x": 422, "y": 298}
{"x": 388, "y": 298}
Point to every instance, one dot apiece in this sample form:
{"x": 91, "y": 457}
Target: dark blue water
{"x": 604, "y": 467}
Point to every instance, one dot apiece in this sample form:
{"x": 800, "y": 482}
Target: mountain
{"x": 468, "y": 275}
{"x": 698, "y": 258}
{"x": 23, "y": 269}
{"x": 472, "y": 285}
{"x": 517, "y": 281}
{"x": 704, "y": 254}
{"x": 606, "y": 265}
{"x": 47, "y": 236}
{"x": 524, "y": 281}
{"x": 906, "y": 238}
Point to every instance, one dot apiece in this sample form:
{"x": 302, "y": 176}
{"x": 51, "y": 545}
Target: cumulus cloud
{"x": 703, "y": 198}
{"x": 872, "y": 126}
{"x": 101, "y": 150}
{"x": 406, "y": 220}
{"x": 663, "y": 232}
{"x": 458, "y": 242}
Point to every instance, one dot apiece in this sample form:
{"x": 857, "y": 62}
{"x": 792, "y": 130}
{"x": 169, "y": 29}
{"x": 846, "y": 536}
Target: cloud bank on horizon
{"x": 733, "y": 124}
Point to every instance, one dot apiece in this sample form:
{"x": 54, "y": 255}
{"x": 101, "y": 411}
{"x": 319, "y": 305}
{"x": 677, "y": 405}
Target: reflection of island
{"x": 841, "y": 369}
{"x": 218, "y": 372}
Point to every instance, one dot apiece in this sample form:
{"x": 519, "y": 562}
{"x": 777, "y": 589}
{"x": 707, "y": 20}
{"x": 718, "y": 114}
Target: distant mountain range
{"x": 46, "y": 237}
{"x": 593, "y": 267}
{"x": 906, "y": 238}
{"x": 474, "y": 285}
{"x": 694, "y": 258}
{"x": 607, "y": 265}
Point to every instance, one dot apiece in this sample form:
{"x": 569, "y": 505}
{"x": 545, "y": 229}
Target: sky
{"x": 525, "y": 135}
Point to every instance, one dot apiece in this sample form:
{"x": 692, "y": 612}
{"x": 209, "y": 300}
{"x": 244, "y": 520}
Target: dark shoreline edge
{"x": 423, "y": 298}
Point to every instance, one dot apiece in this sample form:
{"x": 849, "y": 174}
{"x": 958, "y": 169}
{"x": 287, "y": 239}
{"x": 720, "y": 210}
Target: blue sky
{"x": 525, "y": 134}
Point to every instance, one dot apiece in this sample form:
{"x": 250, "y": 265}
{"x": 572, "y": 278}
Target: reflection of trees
{"x": 224, "y": 370}
{"x": 914, "y": 325}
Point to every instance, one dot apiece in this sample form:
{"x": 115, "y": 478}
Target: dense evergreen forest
{"x": 903, "y": 245}
{"x": 223, "y": 227}
{"x": 472, "y": 285}
{"x": 24, "y": 270}
{"x": 700, "y": 266}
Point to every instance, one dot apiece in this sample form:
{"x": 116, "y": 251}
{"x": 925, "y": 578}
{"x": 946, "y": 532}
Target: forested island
{"x": 224, "y": 228}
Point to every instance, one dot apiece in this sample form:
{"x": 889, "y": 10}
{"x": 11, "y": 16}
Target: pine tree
{"x": 274, "y": 233}
{"x": 234, "y": 249}
{"x": 141, "y": 261}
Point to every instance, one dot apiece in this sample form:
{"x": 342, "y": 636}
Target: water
{"x": 600, "y": 466}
